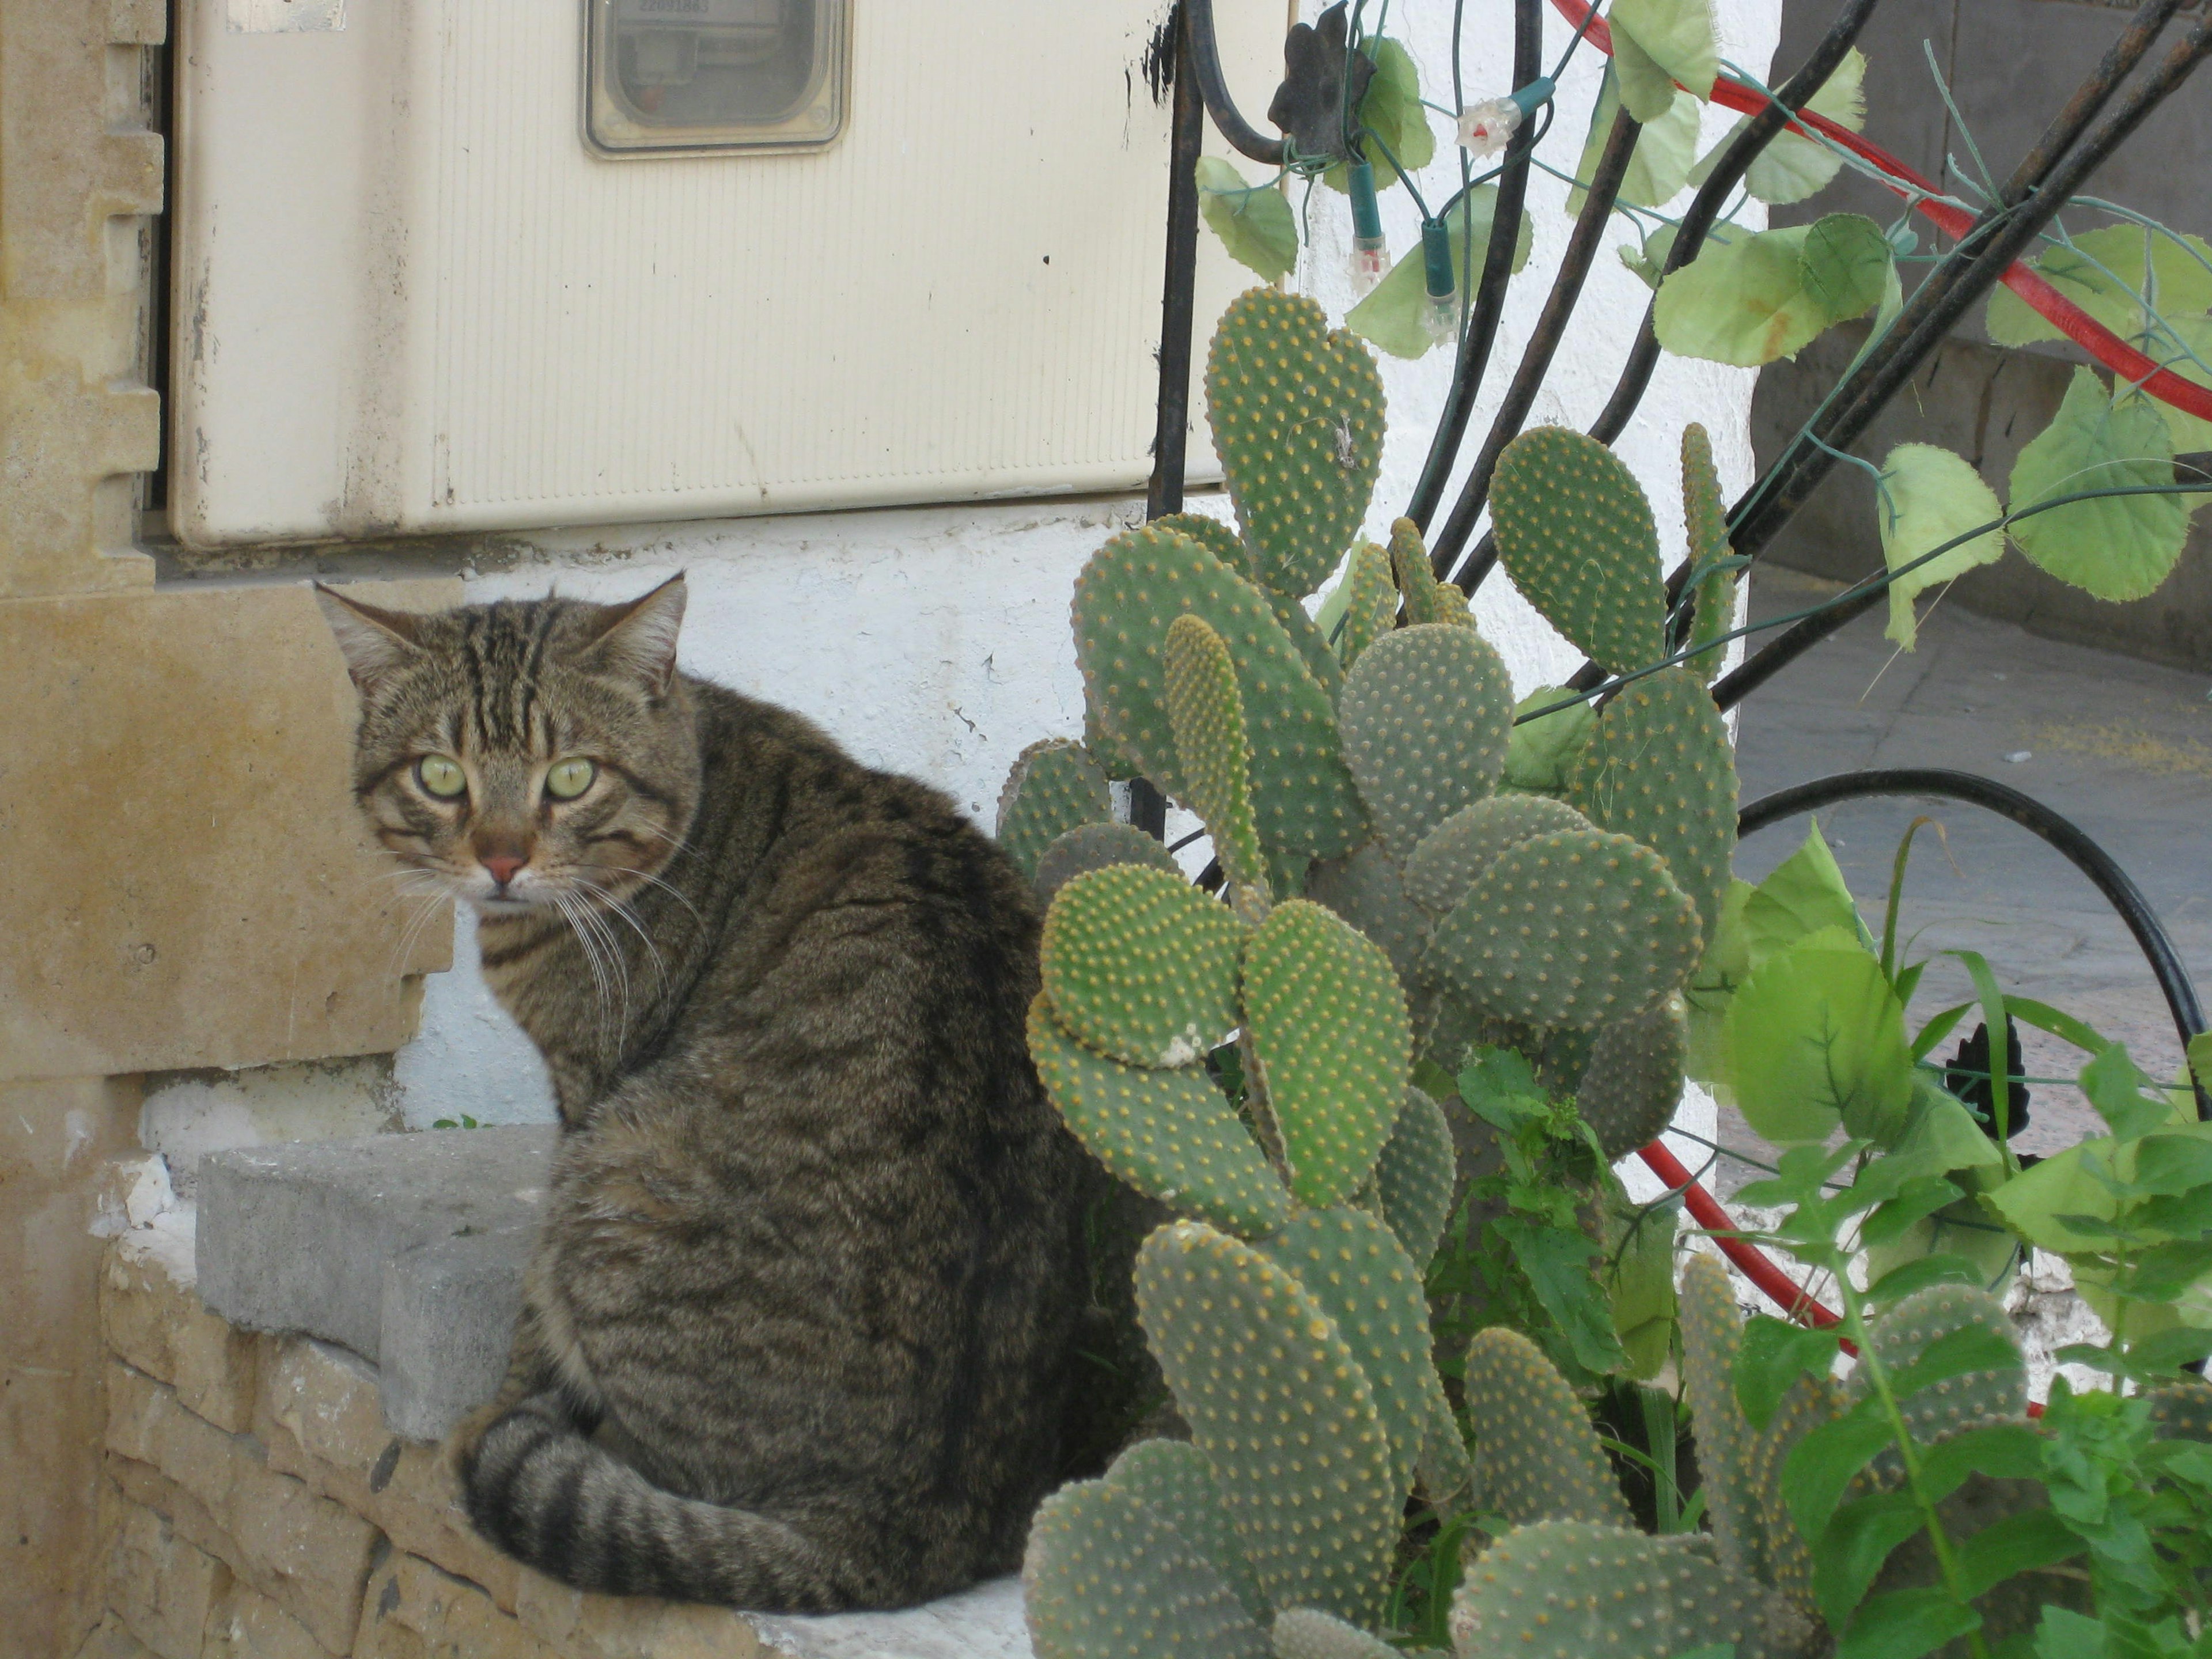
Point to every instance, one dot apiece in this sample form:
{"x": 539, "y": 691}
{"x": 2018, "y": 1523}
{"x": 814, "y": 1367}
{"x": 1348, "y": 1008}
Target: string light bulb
{"x": 1440, "y": 316}
{"x": 1370, "y": 255}
{"x": 1486, "y": 128}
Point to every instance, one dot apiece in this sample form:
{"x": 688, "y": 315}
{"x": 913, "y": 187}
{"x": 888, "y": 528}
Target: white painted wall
{"x": 934, "y": 640}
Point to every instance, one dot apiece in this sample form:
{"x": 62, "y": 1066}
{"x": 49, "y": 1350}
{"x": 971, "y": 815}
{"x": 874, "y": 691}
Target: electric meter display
{"x": 664, "y": 76}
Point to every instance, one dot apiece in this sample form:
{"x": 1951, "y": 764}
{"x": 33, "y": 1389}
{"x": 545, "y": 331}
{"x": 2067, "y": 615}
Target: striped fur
{"x": 797, "y": 1334}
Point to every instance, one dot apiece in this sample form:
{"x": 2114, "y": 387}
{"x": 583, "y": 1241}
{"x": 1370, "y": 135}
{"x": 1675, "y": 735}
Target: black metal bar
{"x": 1705, "y": 207}
{"x": 1489, "y": 305}
{"x": 1927, "y": 319}
{"x": 1544, "y": 342}
{"x": 1148, "y": 808}
{"x": 1202, "y": 53}
{"x": 2062, "y": 835}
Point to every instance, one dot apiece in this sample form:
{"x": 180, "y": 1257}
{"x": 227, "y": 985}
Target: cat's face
{"x": 527, "y": 753}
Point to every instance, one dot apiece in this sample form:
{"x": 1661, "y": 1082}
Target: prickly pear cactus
{"x": 1302, "y": 1633}
{"x": 1415, "y": 1175}
{"x": 1537, "y": 1458}
{"x": 1141, "y": 967}
{"x": 1423, "y": 722}
{"x": 1705, "y": 514}
{"x": 1053, "y": 787}
{"x": 1566, "y": 1589}
{"x": 1206, "y": 715}
{"x": 1297, "y": 411}
{"x": 1451, "y": 858}
{"x": 1633, "y": 1081}
{"x": 1427, "y": 600}
{"x": 1576, "y": 533}
{"x": 1107, "y": 1577}
{"x": 1090, "y": 847}
{"x": 1659, "y": 767}
{"x": 1369, "y": 604}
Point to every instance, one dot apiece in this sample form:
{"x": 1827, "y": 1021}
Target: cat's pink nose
{"x": 502, "y": 867}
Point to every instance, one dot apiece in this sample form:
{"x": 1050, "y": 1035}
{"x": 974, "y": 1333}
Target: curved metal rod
{"x": 2062, "y": 835}
{"x": 1204, "y": 61}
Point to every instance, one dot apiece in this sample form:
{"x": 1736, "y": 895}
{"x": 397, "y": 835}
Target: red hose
{"x": 1787, "y": 1294}
{"x": 2130, "y": 365}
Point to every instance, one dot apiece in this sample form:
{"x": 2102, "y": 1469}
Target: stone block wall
{"x": 253, "y": 1505}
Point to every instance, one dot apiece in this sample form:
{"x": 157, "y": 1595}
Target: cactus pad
{"x": 1106, "y": 754}
{"x": 1170, "y": 1134}
{"x": 1352, "y": 1264}
{"x": 1660, "y": 767}
{"x": 1576, "y": 927}
{"x": 1423, "y": 721}
{"x": 2181, "y": 1410}
{"x": 1172, "y": 1476}
{"x": 1633, "y": 1081}
{"x": 1806, "y": 1404}
{"x": 1427, "y": 600}
{"x": 1416, "y": 1174}
{"x": 1296, "y": 413}
{"x": 1090, "y": 847}
{"x": 1704, "y": 512}
{"x": 1302, "y": 1633}
{"x": 1219, "y": 539}
{"x": 1536, "y": 1457}
{"x": 1328, "y": 1021}
{"x": 1208, "y": 718}
{"x": 1567, "y": 1590}
{"x": 1141, "y": 966}
{"x": 1712, "y": 1336}
{"x": 1452, "y": 857}
{"x": 1283, "y": 1413}
{"x": 1106, "y": 1577}
{"x": 1052, "y": 787}
{"x": 1576, "y": 536}
{"x": 1906, "y": 1331}
{"x": 1369, "y": 607}
{"x": 1365, "y": 888}
{"x": 1130, "y": 591}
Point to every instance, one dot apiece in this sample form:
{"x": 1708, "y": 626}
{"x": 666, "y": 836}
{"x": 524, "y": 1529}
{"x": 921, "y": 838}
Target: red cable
{"x": 2130, "y": 365}
{"x": 1787, "y": 1293}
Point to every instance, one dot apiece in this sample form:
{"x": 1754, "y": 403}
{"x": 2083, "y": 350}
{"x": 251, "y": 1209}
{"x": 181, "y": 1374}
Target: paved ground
{"x": 2122, "y": 748}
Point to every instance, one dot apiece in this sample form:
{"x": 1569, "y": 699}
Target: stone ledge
{"x": 258, "y": 1506}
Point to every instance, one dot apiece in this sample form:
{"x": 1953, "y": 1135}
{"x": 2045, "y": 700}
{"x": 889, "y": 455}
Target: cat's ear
{"x": 638, "y": 640}
{"x": 376, "y": 642}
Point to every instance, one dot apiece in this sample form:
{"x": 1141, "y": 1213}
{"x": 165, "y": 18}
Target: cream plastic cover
{"x": 409, "y": 298}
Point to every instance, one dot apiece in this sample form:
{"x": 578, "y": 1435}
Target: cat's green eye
{"x": 567, "y": 779}
{"x": 442, "y": 776}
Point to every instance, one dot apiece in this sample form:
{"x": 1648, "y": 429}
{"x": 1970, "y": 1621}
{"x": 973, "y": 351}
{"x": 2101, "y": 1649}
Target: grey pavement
{"x": 2122, "y": 748}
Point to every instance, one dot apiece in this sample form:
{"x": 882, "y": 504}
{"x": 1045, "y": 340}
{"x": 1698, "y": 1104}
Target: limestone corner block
{"x": 155, "y": 1324}
{"x": 305, "y": 1554}
{"x": 413, "y": 1611}
{"x": 158, "y": 1583}
{"x": 585, "y": 1626}
{"x": 321, "y": 1419}
{"x": 246, "y": 1625}
{"x": 111, "y": 1638}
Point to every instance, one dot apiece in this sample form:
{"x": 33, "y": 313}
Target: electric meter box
{"x": 456, "y": 266}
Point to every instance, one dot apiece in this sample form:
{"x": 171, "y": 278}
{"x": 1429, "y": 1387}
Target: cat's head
{"x": 527, "y": 752}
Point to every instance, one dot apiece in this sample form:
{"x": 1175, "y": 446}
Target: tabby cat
{"x": 796, "y": 1334}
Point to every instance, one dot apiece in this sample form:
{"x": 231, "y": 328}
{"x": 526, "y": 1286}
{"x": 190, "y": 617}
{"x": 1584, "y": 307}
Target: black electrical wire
{"x": 2067, "y": 838}
{"x": 1203, "y": 51}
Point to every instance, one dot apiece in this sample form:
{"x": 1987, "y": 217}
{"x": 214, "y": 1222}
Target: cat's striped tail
{"x": 548, "y": 1496}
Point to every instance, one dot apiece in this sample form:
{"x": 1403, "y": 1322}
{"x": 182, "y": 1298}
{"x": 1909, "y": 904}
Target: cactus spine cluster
{"x": 1385, "y": 902}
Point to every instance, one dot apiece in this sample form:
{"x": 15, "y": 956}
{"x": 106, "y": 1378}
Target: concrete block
{"x": 319, "y": 1418}
{"x": 160, "y": 1585}
{"x": 111, "y": 1638}
{"x": 307, "y": 1553}
{"x": 584, "y": 1627}
{"x": 151, "y": 1318}
{"x": 407, "y": 1250}
{"x": 412, "y": 1610}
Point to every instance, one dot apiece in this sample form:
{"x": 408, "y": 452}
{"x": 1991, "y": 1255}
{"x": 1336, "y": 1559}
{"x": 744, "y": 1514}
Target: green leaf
{"x": 2183, "y": 345}
{"x": 1648, "y": 259}
{"x": 1943, "y": 1133}
{"x": 1391, "y": 317}
{"x": 1557, "y": 1263}
{"x": 2018, "y": 1543}
{"x": 2003, "y": 1452}
{"x": 1646, "y": 88}
{"x": 1539, "y": 753}
{"x": 2115, "y": 1085}
{"x": 2118, "y": 547}
{"x": 1393, "y": 111}
{"x": 1858, "y": 1542}
{"x": 2097, "y": 271}
{"x": 1776, "y": 1352}
{"x": 1918, "y": 1274}
{"x": 1906, "y": 1623}
{"x": 1930, "y": 496}
{"x": 1920, "y": 1200}
{"x": 1677, "y": 35}
{"x": 1664, "y": 150}
{"x": 1954, "y": 1354}
{"x": 2068, "y": 1635}
{"x": 1804, "y": 894}
{"x": 1791, "y": 168}
{"x": 1255, "y": 225}
{"x": 2200, "y": 1058}
{"x": 1749, "y": 298}
{"x": 1820, "y": 1467}
{"x": 1726, "y": 963}
{"x": 1816, "y": 1038}
{"x": 1643, "y": 1288}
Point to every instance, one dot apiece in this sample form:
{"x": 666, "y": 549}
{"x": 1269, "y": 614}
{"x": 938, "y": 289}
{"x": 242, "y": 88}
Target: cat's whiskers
{"x": 607, "y": 900}
{"x": 572, "y": 909}
{"x": 432, "y": 897}
{"x": 670, "y": 888}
